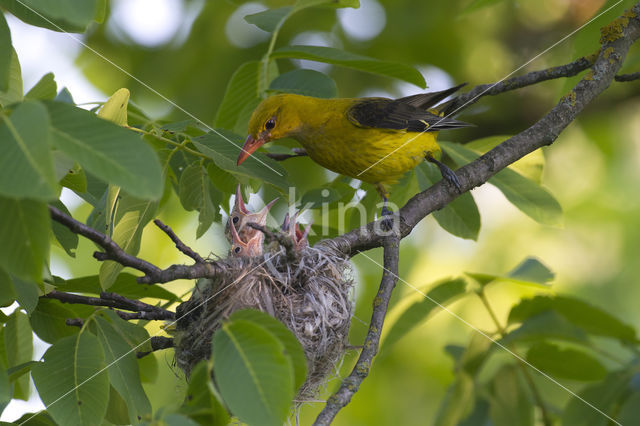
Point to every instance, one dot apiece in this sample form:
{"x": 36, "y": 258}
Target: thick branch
{"x": 158, "y": 343}
{"x": 543, "y": 132}
{"x": 351, "y": 384}
{"x": 140, "y": 309}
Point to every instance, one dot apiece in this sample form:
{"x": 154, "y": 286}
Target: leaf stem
{"x": 502, "y": 331}
{"x": 179, "y": 145}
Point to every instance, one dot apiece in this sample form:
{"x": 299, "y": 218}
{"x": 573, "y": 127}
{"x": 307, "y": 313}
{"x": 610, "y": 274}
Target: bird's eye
{"x": 235, "y": 219}
{"x": 270, "y": 124}
{"x": 237, "y": 250}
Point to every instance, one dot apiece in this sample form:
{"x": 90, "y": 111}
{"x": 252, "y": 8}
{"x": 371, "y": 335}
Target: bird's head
{"x": 240, "y": 216}
{"x": 275, "y": 118}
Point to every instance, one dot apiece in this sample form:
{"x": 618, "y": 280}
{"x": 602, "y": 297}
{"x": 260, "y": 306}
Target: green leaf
{"x": 305, "y": 82}
{"x": 14, "y": 93}
{"x": 201, "y": 403}
{"x": 269, "y": 19}
{"x": 125, "y": 285}
{"x": 112, "y": 153}
{"x": 7, "y": 292}
{"x": 479, "y": 4}
{"x": 68, "y": 240}
{"x": 117, "y": 410}
{"x": 75, "y": 179}
{"x": 6, "y": 391}
{"x": 196, "y": 192}
{"x": 457, "y": 402}
{"x": 605, "y": 395}
{"x": 18, "y": 346}
{"x": 115, "y": 109}
{"x": 630, "y": 410}
{"x": 123, "y": 370}
{"x": 45, "y": 89}
{"x": 530, "y": 272}
{"x": 254, "y": 374}
{"x": 41, "y": 418}
{"x": 130, "y": 219}
{"x": 530, "y": 166}
{"x": 291, "y": 344}
{"x": 224, "y": 148}
{"x": 57, "y": 15}
{"x": 26, "y": 165}
{"x": 315, "y": 198}
{"x": 26, "y": 293}
{"x": 509, "y": 404}
{"x": 565, "y": 363}
{"x": 335, "y": 56}
{"x": 441, "y": 294}
{"x": 72, "y": 380}
{"x": 460, "y": 217}
{"x": 533, "y": 200}
{"x": 48, "y": 320}
{"x": 20, "y": 370}
{"x": 591, "y": 319}
{"x": 543, "y": 326}
{"x": 6, "y": 52}
{"x": 242, "y": 91}
{"x": 24, "y": 231}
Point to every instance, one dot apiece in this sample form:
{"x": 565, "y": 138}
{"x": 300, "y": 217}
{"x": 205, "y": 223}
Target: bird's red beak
{"x": 249, "y": 147}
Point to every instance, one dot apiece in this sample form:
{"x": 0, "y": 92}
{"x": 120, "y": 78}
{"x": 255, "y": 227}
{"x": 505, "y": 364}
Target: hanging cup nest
{"x": 307, "y": 288}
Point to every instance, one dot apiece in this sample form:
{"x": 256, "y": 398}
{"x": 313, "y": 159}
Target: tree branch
{"x": 140, "y": 309}
{"x": 158, "y": 343}
{"x": 544, "y": 132}
{"x": 628, "y": 77}
{"x": 351, "y": 384}
{"x": 179, "y": 244}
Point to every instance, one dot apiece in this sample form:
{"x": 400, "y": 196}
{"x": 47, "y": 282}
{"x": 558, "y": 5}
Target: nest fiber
{"x": 309, "y": 293}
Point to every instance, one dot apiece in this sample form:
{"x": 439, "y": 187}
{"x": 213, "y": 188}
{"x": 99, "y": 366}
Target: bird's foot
{"x": 387, "y": 218}
{"x": 447, "y": 174}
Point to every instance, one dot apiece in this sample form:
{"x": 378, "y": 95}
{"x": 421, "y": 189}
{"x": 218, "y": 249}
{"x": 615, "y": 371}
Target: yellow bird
{"x": 375, "y": 140}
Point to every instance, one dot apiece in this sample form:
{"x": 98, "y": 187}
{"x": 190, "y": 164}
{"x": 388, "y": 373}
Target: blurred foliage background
{"x": 592, "y": 169}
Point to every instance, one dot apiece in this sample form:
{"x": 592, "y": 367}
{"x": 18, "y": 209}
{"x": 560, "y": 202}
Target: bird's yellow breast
{"x": 369, "y": 154}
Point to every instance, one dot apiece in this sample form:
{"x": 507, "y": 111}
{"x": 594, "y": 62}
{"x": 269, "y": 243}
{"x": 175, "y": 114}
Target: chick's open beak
{"x": 249, "y": 147}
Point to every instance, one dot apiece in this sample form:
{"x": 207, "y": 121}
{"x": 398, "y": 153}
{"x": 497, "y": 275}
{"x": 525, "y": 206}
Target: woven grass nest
{"x": 307, "y": 288}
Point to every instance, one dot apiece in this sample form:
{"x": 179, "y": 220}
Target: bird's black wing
{"x": 409, "y": 113}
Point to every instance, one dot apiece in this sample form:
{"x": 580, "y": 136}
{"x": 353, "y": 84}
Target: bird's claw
{"x": 447, "y": 174}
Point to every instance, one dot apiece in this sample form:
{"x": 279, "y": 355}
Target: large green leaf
{"x": 197, "y": 192}
{"x": 27, "y": 293}
{"x": 565, "y": 363}
{"x": 441, "y": 294}
{"x": 533, "y": 200}
{"x": 49, "y": 320}
{"x": 460, "y": 217}
{"x": 546, "y": 325}
{"x": 242, "y": 91}
{"x": 18, "y": 347}
{"x": 6, "y": 52}
{"x": 13, "y": 93}
{"x": 590, "y": 318}
{"x": 291, "y": 344}
{"x": 224, "y": 147}
{"x": 335, "y": 56}
{"x": 26, "y": 165}
{"x": 130, "y": 219}
{"x": 24, "y": 231}
{"x": 125, "y": 285}
{"x": 509, "y": 404}
{"x": 57, "y": 15}
{"x": 73, "y": 382}
{"x": 110, "y": 152}
{"x": 305, "y": 82}
{"x": 6, "y": 391}
{"x": 254, "y": 374}
{"x": 123, "y": 369}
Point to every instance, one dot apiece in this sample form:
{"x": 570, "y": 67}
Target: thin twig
{"x": 351, "y": 384}
{"x": 113, "y": 300}
{"x": 179, "y": 244}
{"x": 628, "y": 77}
